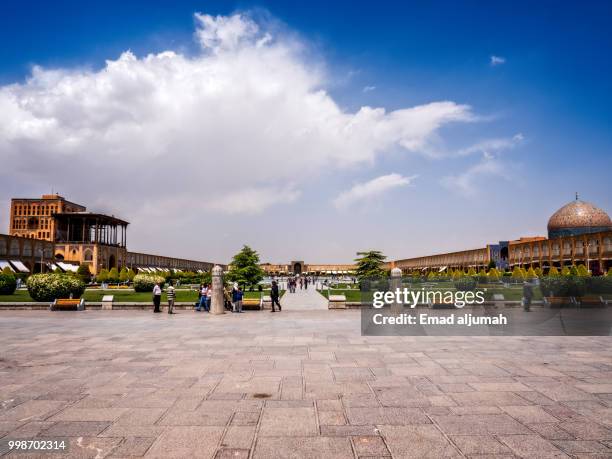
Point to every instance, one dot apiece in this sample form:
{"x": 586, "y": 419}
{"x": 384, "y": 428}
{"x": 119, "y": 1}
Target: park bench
{"x": 68, "y": 305}
{"x": 498, "y": 299}
{"x": 559, "y": 301}
{"x": 337, "y": 302}
{"x": 107, "y": 301}
{"x": 592, "y": 300}
{"x": 252, "y": 303}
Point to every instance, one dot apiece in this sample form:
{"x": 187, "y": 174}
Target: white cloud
{"x": 368, "y": 88}
{"x": 244, "y": 124}
{"x": 496, "y": 60}
{"x": 490, "y": 146}
{"x": 467, "y": 183}
{"x": 252, "y": 201}
{"x": 373, "y": 188}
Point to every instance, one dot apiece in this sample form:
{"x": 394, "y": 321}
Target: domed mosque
{"x": 578, "y": 233}
{"x": 577, "y": 218}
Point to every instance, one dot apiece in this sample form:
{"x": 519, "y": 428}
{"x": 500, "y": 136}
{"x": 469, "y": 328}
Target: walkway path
{"x": 303, "y": 300}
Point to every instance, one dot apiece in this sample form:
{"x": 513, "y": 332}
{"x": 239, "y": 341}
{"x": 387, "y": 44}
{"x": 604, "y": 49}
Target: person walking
{"x": 274, "y": 295}
{"x": 203, "y": 297}
{"x": 237, "y": 299}
{"x": 171, "y": 294}
{"x": 527, "y": 295}
{"x": 157, "y": 291}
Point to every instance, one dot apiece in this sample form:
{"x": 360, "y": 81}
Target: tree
{"x": 565, "y": 271}
{"x": 553, "y": 272}
{"x": 113, "y": 275}
{"x": 471, "y": 272}
{"x": 245, "y": 268}
{"x": 492, "y": 265}
{"x": 83, "y": 273}
{"x": 582, "y": 271}
{"x": 369, "y": 264}
{"x": 123, "y": 275}
{"x": 531, "y": 274}
{"x": 517, "y": 273}
{"x": 609, "y": 273}
{"x": 102, "y": 275}
{"x": 130, "y": 274}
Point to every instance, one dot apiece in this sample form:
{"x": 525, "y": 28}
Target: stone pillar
{"x": 395, "y": 282}
{"x": 216, "y": 306}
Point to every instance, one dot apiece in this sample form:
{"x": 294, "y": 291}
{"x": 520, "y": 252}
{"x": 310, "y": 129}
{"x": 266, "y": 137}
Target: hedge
{"x": 146, "y": 282}
{"x": 49, "y": 287}
{"x": 8, "y": 283}
{"x": 563, "y": 286}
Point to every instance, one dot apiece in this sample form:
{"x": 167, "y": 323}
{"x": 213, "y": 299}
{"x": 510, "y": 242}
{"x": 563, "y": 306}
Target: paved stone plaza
{"x": 301, "y": 383}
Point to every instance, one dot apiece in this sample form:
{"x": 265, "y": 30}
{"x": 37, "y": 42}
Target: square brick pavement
{"x": 298, "y": 384}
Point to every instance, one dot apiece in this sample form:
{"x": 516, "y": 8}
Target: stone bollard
{"x": 216, "y": 306}
{"x": 395, "y": 283}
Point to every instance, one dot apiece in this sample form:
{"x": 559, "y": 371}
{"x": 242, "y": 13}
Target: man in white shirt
{"x": 157, "y": 291}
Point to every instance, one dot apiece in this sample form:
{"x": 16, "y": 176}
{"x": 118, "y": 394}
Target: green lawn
{"x": 352, "y": 295}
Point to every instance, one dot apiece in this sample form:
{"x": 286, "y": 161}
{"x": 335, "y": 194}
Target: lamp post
{"x": 588, "y": 261}
{"x": 41, "y": 259}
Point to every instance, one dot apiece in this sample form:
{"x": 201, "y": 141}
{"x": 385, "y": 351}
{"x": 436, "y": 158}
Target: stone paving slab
{"x": 299, "y": 384}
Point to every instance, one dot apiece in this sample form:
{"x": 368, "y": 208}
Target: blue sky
{"x": 551, "y": 94}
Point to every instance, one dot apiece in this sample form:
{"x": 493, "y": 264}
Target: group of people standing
{"x": 170, "y": 293}
{"x": 232, "y": 299}
{"x": 293, "y": 282}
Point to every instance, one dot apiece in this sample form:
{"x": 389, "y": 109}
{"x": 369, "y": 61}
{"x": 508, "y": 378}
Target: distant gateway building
{"x": 299, "y": 267}
{"x": 77, "y": 236}
{"x": 578, "y": 233}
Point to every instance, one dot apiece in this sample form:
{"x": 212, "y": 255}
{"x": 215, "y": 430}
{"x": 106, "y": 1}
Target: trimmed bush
{"x": 466, "y": 284}
{"x": 83, "y": 273}
{"x": 531, "y": 274}
{"x": 563, "y": 286}
{"x": 102, "y": 276}
{"x": 582, "y": 271}
{"x": 113, "y": 275}
{"x": 517, "y": 273}
{"x": 599, "y": 284}
{"x": 131, "y": 274}
{"x": 123, "y": 275}
{"x": 8, "y": 283}
{"x": 146, "y": 282}
{"x": 49, "y": 287}
{"x": 565, "y": 271}
{"x": 553, "y": 272}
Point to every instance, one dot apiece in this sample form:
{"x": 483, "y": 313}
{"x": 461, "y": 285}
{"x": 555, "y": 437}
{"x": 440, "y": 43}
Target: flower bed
{"x": 146, "y": 282}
